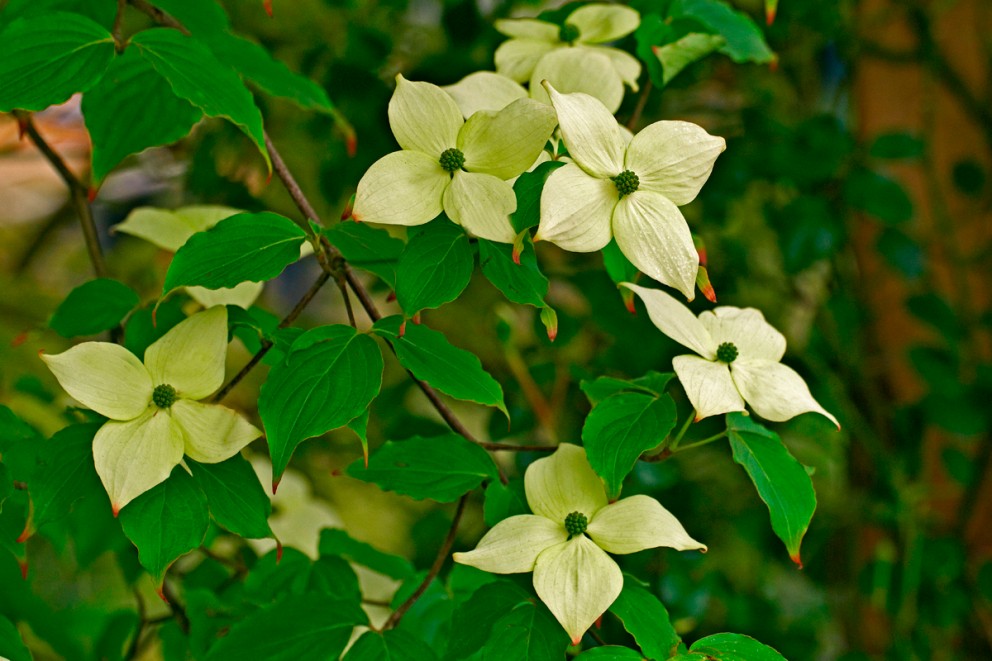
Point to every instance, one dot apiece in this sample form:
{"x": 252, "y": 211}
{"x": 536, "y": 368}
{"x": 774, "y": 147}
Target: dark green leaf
{"x": 734, "y": 647}
{"x": 521, "y": 283}
{"x": 246, "y": 246}
{"x": 389, "y": 646}
{"x": 310, "y": 627}
{"x": 200, "y": 78}
{"x": 744, "y": 40}
{"x": 604, "y": 386}
{"x": 620, "y": 428}
{"x": 473, "y": 620}
{"x": 6, "y": 484}
{"x": 617, "y": 265}
{"x": 527, "y": 188}
{"x": 901, "y": 252}
{"x": 646, "y": 619}
{"x": 12, "y": 647}
{"x": 235, "y": 496}
{"x": 46, "y": 58}
{"x": 201, "y": 18}
{"x": 93, "y": 307}
{"x": 969, "y": 177}
{"x": 66, "y": 474}
{"x": 330, "y": 377}
{"x": 879, "y": 196}
{"x": 441, "y": 468}
{"x": 610, "y": 653}
{"x": 434, "y": 269}
{"x": 679, "y": 54}
{"x": 528, "y": 631}
{"x": 367, "y": 248}
{"x": 781, "y": 481}
{"x": 428, "y": 354}
{"x": 503, "y": 501}
{"x": 897, "y": 146}
{"x": 166, "y": 522}
{"x": 334, "y": 541}
{"x": 131, "y": 109}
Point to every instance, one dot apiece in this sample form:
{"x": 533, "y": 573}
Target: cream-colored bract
{"x": 142, "y": 442}
{"x": 411, "y": 187}
{"x": 667, "y": 163}
{"x": 572, "y": 57}
{"x": 573, "y": 574}
{"x": 754, "y": 376}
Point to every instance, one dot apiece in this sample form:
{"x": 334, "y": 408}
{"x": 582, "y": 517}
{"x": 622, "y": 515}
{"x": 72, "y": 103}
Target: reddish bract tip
{"x": 21, "y": 338}
{"x": 351, "y": 145}
{"x": 709, "y": 293}
{"x": 349, "y": 209}
{"x": 577, "y": 640}
{"x": 23, "y": 564}
{"x": 115, "y": 508}
{"x": 702, "y": 256}
{"x": 267, "y": 4}
{"x": 26, "y": 533}
{"x": 160, "y": 591}
{"x": 516, "y": 254}
{"x": 628, "y": 302}
{"x": 599, "y": 622}
{"x": 416, "y": 319}
{"x": 365, "y": 455}
{"x": 770, "y": 16}
{"x": 796, "y": 559}
{"x": 268, "y": 179}
{"x": 278, "y": 551}
{"x": 552, "y": 332}
{"x": 275, "y": 485}
{"x": 391, "y": 297}
{"x": 773, "y": 64}
{"x": 402, "y": 329}
{"x": 91, "y": 193}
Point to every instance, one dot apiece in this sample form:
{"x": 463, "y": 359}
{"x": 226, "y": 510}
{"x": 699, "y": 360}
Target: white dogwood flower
{"x": 627, "y": 189}
{"x": 155, "y": 417}
{"x": 740, "y": 360}
{"x": 565, "y": 542}
{"x": 538, "y": 50}
{"x": 452, "y": 165}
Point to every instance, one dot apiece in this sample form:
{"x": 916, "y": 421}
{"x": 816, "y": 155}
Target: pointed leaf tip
{"x": 267, "y": 4}
{"x": 771, "y": 10}
{"x": 275, "y": 484}
{"x": 798, "y": 560}
{"x": 23, "y": 564}
{"x": 278, "y": 550}
{"x": 160, "y": 591}
{"x": 349, "y": 209}
{"x": 26, "y": 533}
{"x": 351, "y": 145}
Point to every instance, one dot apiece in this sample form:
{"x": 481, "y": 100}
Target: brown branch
{"x": 78, "y": 191}
{"x": 510, "y": 447}
{"x": 159, "y": 16}
{"x": 178, "y": 611}
{"x": 118, "y": 30}
{"x": 435, "y": 569}
{"x": 267, "y": 344}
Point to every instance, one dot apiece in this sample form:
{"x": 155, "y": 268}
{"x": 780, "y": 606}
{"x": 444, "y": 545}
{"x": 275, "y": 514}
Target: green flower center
{"x": 452, "y": 159}
{"x": 568, "y": 33}
{"x": 164, "y": 396}
{"x": 626, "y": 182}
{"x": 726, "y": 352}
{"x": 576, "y": 523}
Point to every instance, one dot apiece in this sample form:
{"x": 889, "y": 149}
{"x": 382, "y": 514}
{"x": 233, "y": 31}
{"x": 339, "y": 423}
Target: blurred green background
{"x": 853, "y": 206}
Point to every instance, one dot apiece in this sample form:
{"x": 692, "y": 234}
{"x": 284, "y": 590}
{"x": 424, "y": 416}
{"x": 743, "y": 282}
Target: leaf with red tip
{"x": 771, "y": 10}
{"x": 236, "y": 499}
{"x": 360, "y": 426}
{"x": 267, "y": 5}
{"x": 704, "y": 284}
{"x": 514, "y": 270}
{"x": 781, "y": 481}
{"x": 550, "y": 320}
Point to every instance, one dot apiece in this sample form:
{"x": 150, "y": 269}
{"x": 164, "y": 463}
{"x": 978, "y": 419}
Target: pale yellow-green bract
{"x": 412, "y": 186}
{"x": 627, "y": 190}
{"x": 145, "y": 439}
{"x": 753, "y": 373}
{"x": 573, "y": 574}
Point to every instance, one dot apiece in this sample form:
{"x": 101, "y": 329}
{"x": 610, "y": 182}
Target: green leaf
{"x": 781, "y": 481}
{"x": 200, "y": 78}
{"x": 734, "y": 647}
{"x": 679, "y": 54}
{"x": 431, "y": 358}
{"x": 503, "y": 501}
{"x": 46, "y": 58}
{"x": 65, "y": 475}
{"x": 879, "y": 196}
{"x": 330, "y": 377}
{"x": 620, "y": 428}
{"x": 473, "y": 620}
{"x": 243, "y": 247}
{"x": 337, "y": 542}
{"x": 12, "y": 647}
{"x": 646, "y": 619}
{"x": 131, "y": 109}
{"x": 521, "y": 283}
{"x": 527, "y": 188}
{"x": 529, "y": 631}
{"x": 441, "y": 468}
{"x": 309, "y": 627}
{"x": 372, "y": 250}
{"x": 235, "y": 497}
{"x": 744, "y": 40}
{"x": 901, "y": 252}
{"x": 602, "y": 387}
{"x": 897, "y": 146}
{"x": 610, "y": 653}
{"x": 389, "y": 645}
{"x": 618, "y": 267}
{"x": 166, "y": 522}
{"x": 93, "y": 307}
{"x": 206, "y": 19}
{"x": 434, "y": 269}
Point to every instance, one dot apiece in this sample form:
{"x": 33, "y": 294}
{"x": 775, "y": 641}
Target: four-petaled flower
{"x": 740, "y": 360}
{"x": 452, "y": 165}
{"x": 628, "y": 191}
{"x": 565, "y": 542}
{"x": 155, "y": 417}
{"x": 571, "y": 55}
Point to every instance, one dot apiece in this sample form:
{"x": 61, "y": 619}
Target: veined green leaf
{"x": 46, "y": 58}
{"x": 527, "y": 188}
{"x": 330, "y": 377}
{"x": 529, "y": 631}
{"x": 744, "y": 39}
{"x": 780, "y": 479}
{"x": 521, "y": 283}
{"x": 93, "y": 307}
{"x": 12, "y": 647}
{"x": 434, "y": 268}
{"x": 472, "y": 621}
{"x": 234, "y": 495}
{"x": 392, "y": 645}
{"x": 646, "y": 619}
{"x": 337, "y": 542}
{"x": 733, "y": 647}
{"x": 367, "y": 248}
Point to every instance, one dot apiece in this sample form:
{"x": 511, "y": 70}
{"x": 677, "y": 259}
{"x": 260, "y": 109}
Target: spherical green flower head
{"x": 151, "y": 426}
{"x": 567, "y": 540}
{"x": 738, "y": 362}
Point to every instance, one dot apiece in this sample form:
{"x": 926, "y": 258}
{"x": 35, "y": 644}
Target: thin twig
{"x": 510, "y": 447}
{"x": 267, "y": 344}
{"x": 78, "y": 191}
{"x": 178, "y": 611}
{"x": 159, "y": 16}
{"x": 118, "y": 30}
{"x": 435, "y": 569}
